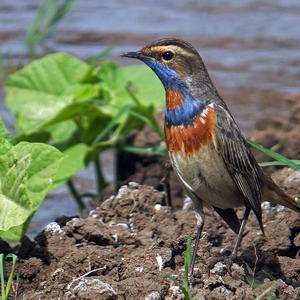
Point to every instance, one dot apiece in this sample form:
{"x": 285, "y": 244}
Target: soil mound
{"x": 129, "y": 246}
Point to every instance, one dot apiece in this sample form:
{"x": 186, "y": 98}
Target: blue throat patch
{"x": 168, "y": 77}
{"x": 186, "y": 113}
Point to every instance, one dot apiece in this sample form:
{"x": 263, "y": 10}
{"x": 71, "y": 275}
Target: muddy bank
{"x": 279, "y": 133}
{"x": 131, "y": 243}
{"x": 127, "y": 248}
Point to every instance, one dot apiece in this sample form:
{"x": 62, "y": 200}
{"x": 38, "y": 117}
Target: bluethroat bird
{"x": 206, "y": 147}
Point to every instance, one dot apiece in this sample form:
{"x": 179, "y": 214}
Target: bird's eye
{"x": 168, "y": 55}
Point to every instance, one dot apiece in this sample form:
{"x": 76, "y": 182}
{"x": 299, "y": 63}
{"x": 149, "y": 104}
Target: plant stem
{"x": 99, "y": 175}
{"x": 75, "y": 195}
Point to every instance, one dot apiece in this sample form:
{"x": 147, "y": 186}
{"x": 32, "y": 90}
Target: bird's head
{"x": 176, "y": 62}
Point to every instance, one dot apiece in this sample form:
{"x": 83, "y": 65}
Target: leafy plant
{"x": 26, "y": 175}
{"x": 6, "y": 281}
{"x": 48, "y": 15}
{"x": 82, "y": 109}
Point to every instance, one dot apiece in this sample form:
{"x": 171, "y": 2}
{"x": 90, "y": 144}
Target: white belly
{"x": 206, "y": 176}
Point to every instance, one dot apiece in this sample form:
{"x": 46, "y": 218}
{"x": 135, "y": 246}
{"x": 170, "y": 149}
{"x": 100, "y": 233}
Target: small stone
{"x": 237, "y": 271}
{"x": 133, "y": 185}
{"x": 159, "y": 262}
{"x": 153, "y": 296}
{"x": 157, "y": 207}
{"x": 123, "y": 190}
{"x": 53, "y": 228}
{"x": 219, "y": 269}
{"x": 266, "y": 205}
{"x": 92, "y": 288}
{"x": 174, "y": 292}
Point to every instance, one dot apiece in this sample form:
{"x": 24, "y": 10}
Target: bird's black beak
{"x": 137, "y": 54}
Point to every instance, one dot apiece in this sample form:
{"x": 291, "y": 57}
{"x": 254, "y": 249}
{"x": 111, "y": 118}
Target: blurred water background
{"x": 251, "y": 47}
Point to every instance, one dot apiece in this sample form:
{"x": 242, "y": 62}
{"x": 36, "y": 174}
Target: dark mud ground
{"x": 128, "y": 246}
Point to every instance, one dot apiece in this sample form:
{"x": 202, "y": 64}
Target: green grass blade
{"x": 265, "y": 292}
{"x": 187, "y": 259}
{"x": 130, "y": 89}
{"x": 2, "y": 276}
{"x": 48, "y": 15}
{"x": 11, "y": 274}
{"x": 277, "y": 163}
{"x": 275, "y": 155}
{"x": 101, "y": 55}
{"x": 159, "y": 151}
{"x": 187, "y": 265}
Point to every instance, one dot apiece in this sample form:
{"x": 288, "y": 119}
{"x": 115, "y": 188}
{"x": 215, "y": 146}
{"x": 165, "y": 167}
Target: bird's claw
{"x": 192, "y": 280}
{"x": 228, "y": 261}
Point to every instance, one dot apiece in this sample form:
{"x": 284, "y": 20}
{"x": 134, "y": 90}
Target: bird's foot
{"x": 228, "y": 261}
{"x": 192, "y": 280}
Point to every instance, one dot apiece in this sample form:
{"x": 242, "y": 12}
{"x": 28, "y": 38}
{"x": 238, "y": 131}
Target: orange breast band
{"x": 189, "y": 139}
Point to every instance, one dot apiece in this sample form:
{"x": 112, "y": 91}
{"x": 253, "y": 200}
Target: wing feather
{"x": 238, "y": 160}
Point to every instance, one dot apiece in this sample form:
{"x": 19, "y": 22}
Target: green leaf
{"x": 136, "y": 118}
{"x": 109, "y": 126}
{"x": 72, "y": 162}
{"x": 5, "y": 139}
{"x": 108, "y": 73}
{"x": 62, "y": 133}
{"x": 147, "y": 87}
{"x": 114, "y": 83}
{"x": 83, "y": 92}
{"x": 72, "y": 111}
{"x": 146, "y": 115}
{"x": 40, "y": 90}
{"x": 25, "y": 178}
{"x": 91, "y": 117}
{"x": 275, "y": 155}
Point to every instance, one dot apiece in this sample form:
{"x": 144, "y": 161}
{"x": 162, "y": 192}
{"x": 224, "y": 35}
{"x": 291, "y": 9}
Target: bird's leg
{"x": 166, "y": 182}
{"x": 241, "y": 231}
{"x": 200, "y": 222}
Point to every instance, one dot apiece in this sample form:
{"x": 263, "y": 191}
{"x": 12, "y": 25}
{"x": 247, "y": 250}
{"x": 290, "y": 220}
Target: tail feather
{"x": 230, "y": 217}
{"x": 273, "y": 193}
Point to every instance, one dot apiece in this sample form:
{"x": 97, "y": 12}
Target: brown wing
{"x": 239, "y": 160}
